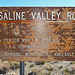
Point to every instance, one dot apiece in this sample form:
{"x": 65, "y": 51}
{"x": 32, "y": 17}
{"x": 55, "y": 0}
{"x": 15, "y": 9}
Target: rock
{"x": 3, "y": 70}
{"x": 60, "y": 67}
{"x": 32, "y": 73}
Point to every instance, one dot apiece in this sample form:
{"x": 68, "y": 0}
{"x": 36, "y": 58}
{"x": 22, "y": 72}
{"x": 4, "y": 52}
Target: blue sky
{"x": 29, "y": 3}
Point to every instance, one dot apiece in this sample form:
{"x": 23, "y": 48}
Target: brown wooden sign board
{"x": 37, "y": 33}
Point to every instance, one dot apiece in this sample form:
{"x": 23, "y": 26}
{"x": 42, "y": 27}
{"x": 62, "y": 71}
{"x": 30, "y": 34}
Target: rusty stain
{"x": 37, "y": 37}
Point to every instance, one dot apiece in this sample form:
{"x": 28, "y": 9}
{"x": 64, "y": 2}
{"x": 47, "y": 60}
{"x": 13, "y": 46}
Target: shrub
{"x": 35, "y": 71}
{"x": 14, "y": 65}
{"x": 32, "y": 65}
{"x": 49, "y": 68}
{"x": 72, "y": 62}
{"x": 45, "y": 73}
{"x": 40, "y": 62}
{"x": 66, "y": 70}
{"x": 25, "y": 63}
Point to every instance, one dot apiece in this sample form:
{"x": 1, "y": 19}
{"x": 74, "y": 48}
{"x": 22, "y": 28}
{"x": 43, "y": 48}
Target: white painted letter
{"x": 53, "y": 16}
{"x": 33, "y": 15}
{"x": 68, "y": 15}
{"x": 1, "y": 17}
{"x": 58, "y": 14}
{"x": 23, "y": 15}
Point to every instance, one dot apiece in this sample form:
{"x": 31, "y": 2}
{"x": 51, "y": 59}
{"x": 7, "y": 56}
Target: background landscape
{"x": 38, "y": 68}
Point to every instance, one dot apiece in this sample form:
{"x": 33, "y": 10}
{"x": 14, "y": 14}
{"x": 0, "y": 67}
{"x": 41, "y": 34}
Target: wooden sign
{"x": 37, "y": 33}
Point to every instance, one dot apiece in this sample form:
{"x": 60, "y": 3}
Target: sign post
{"x": 22, "y": 67}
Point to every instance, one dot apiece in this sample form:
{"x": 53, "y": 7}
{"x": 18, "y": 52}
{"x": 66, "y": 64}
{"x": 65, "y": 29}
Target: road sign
{"x": 37, "y": 33}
